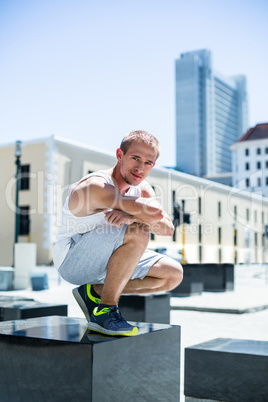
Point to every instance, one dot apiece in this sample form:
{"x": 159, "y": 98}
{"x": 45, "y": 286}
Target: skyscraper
{"x": 211, "y": 114}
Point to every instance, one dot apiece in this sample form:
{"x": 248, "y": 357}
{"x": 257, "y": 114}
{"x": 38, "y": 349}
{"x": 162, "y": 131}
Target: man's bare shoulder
{"x": 97, "y": 177}
{"x": 93, "y": 180}
{"x": 89, "y": 196}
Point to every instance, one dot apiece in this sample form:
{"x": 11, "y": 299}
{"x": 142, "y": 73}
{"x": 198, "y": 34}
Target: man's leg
{"x": 163, "y": 275}
{"x": 166, "y": 274}
{"x": 106, "y": 318}
{"x": 123, "y": 263}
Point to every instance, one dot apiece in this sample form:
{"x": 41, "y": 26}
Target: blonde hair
{"x": 143, "y": 136}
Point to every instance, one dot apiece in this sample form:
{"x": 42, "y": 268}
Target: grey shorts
{"x": 89, "y": 254}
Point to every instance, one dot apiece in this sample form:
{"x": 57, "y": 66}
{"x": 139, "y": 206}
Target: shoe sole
{"x": 100, "y": 329}
{"x": 95, "y": 337}
{"x": 81, "y": 303}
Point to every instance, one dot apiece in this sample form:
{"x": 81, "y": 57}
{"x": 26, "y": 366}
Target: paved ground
{"x": 251, "y": 292}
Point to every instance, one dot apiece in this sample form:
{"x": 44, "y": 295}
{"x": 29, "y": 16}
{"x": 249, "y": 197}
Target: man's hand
{"x": 117, "y": 218}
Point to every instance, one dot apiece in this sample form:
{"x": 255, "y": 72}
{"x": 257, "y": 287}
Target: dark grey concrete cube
{"x": 227, "y": 370}
{"x": 57, "y": 359}
{"x": 146, "y": 308}
{"x": 218, "y": 277}
{"x": 6, "y": 298}
{"x": 21, "y": 309}
{"x": 192, "y": 283}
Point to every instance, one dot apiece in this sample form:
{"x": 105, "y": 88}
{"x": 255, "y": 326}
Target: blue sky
{"x": 93, "y": 70}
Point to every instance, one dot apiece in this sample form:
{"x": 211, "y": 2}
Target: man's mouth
{"x": 136, "y": 176}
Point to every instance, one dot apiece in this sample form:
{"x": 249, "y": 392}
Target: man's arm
{"x": 162, "y": 227}
{"x": 117, "y": 218}
{"x": 96, "y": 195}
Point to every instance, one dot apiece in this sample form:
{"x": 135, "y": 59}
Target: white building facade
{"x": 211, "y": 114}
{"x": 227, "y": 225}
{"x": 250, "y": 160}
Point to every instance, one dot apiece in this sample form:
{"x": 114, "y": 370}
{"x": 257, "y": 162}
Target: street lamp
{"x": 17, "y": 162}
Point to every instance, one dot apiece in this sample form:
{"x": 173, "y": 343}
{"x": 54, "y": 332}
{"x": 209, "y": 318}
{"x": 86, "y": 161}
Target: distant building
{"x": 223, "y": 178}
{"x": 211, "y": 114}
{"x": 226, "y": 225}
{"x": 250, "y": 160}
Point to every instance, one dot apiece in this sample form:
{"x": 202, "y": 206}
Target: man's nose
{"x": 139, "y": 167}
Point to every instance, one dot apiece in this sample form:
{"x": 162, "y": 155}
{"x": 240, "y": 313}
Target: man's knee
{"x": 138, "y": 234}
{"x": 173, "y": 273}
{"x": 176, "y": 277}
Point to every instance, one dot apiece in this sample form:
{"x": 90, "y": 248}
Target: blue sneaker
{"x": 109, "y": 321}
{"x": 86, "y": 301}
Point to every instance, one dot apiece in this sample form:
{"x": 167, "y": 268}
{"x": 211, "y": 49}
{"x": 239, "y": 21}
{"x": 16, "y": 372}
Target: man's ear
{"x": 119, "y": 154}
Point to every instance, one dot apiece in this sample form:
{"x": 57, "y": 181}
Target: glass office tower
{"x": 211, "y": 114}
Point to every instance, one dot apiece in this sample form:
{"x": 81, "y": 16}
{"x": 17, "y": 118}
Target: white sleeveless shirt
{"x": 71, "y": 225}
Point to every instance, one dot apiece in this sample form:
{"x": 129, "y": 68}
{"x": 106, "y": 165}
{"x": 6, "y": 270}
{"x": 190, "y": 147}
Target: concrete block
{"x": 227, "y": 369}
{"x": 21, "y": 309}
{"x": 6, "y": 278}
{"x": 146, "y": 308}
{"x": 57, "y": 359}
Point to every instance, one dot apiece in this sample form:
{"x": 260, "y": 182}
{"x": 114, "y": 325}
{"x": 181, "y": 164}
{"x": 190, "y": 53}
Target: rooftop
{"x": 259, "y": 132}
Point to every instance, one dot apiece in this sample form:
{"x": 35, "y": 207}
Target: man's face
{"x": 137, "y": 162}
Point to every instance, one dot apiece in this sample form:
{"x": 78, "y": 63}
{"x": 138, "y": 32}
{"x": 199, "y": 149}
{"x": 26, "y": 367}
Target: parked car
{"x": 176, "y": 255}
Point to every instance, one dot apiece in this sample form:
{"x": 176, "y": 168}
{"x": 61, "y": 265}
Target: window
{"x": 174, "y": 237}
{"x": 258, "y": 182}
{"x": 258, "y": 165}
{"x": 200, "y": 254}
{"x": 256, "y": 239}
{"x": 199, "y": 205}
{"x": 258, "y": 151}
{"x": 152, "y": 235}
{"x": 235, "y": 212}
{"x": 24, "y": 221}
{"x": 219, "y": 209}
{"x": 247, "y": 152}
{"x": 262, "y": 217}
{"x": 90, "y": 171}
{"x": 219, "y": 255}
{"x": 219, "y": 235}
{"x": 247, "y": 183}
{"x": 199, "y": 233}
{"x": 176, "y": 214}
{"x": 247, "y": 214}
{"x": 266, "y": 180}
{"x": 24, "y": 177}
{"x": 255, "y": 216}
{"x": 266, "y": 150}
{"x": 247, "y": 166}
{"x": 266, "y": 164}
